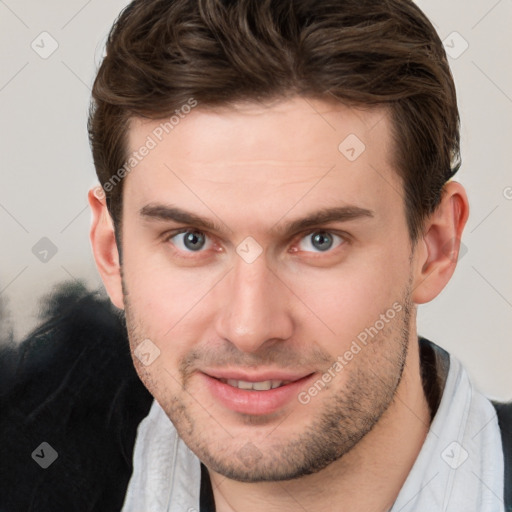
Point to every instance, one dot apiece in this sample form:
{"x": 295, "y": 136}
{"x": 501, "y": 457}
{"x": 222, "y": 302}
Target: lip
{"x": 261, "y": 376}
{"x": 252, "y": 402}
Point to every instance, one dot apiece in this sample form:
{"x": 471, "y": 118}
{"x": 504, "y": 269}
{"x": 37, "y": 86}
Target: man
{"x": 276, "y": 199}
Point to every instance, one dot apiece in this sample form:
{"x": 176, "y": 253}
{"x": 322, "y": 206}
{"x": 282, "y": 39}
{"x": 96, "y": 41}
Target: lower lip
{"x": 255, "y": 402}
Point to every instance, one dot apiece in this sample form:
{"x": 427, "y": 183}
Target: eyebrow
{"x": 161, "y": 212}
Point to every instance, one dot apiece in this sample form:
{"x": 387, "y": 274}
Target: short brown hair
{"x": 161, "y": 53}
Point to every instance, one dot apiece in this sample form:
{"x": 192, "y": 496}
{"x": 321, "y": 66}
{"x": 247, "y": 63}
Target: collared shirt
{"x": 459, "y": 468}
{"x": 460, "y": 465}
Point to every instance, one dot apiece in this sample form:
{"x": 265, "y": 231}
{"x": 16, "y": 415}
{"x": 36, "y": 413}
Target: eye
{"x": 320, "y": 241}
{"x": 189, "y": 240}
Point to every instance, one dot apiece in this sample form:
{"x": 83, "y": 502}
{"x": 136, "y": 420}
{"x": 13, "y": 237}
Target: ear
{"x": 104, "y": 246}
{"x": 437, "y": 251}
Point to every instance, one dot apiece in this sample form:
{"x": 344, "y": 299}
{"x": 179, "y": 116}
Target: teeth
{"x": 278, "y": 383}
{"x": 242, "y": 384}
{"x": 256, "y": 386}
{"x": 262, "y": 386}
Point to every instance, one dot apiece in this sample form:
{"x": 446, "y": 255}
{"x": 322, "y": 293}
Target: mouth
{"x": 263, "y": 385}
{"x": 261, "y": 394}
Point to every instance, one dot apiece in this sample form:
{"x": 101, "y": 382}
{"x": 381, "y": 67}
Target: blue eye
{"x": 321, "y": 241}
{"x": 189, "y": 240}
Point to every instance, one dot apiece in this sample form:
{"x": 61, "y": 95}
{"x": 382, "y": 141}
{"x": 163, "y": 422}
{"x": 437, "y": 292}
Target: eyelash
{"x": 343, "y": 236}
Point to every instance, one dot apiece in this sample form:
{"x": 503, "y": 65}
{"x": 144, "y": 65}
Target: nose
{"x": 256, "y": 310}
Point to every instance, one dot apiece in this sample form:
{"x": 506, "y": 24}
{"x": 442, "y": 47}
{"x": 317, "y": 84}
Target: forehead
{"x": 206, "y": 132}
{"x": 291, "y": 154}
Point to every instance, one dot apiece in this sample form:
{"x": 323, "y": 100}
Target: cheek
{"x": 160, "y": 293}
{"x": 351, "y": 297}
{"x": 170, "y": 306}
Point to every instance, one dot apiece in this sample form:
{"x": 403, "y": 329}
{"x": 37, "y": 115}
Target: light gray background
{"x": 46, "y": 167}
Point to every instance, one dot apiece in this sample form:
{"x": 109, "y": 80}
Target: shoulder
{"x": 504, "y": 413}
{"x": 71, "y": 384}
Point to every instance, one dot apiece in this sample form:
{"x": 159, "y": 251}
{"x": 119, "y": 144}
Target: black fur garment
{"x": 71, "y": 384}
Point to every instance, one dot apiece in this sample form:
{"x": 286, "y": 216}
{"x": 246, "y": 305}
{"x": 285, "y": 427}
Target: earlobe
{"x": 438, "y": 250}
{"x": 104, "y": 247}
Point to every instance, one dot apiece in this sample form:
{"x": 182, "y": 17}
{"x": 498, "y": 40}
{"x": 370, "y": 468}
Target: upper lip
{"x": 260, "y": 376}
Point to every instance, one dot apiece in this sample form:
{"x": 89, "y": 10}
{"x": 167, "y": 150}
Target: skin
{"x": 251, "y": 169}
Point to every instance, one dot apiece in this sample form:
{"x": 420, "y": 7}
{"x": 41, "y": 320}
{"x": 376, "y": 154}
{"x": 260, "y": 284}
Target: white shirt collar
{"x": 460, "y": 466}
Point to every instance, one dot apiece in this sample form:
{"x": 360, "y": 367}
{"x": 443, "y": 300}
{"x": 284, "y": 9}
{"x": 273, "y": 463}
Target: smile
{"x": 254, "y": 394}
{"x": 264, "y": 385}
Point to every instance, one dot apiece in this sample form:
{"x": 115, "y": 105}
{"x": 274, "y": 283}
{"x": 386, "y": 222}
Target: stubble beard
{"x": 346, "y": 416}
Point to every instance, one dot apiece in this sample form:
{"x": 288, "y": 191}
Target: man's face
{"x": 257, "y": 298}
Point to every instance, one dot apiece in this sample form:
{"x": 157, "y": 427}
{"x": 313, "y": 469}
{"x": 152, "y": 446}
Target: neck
{"x": 367, "y": 478}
